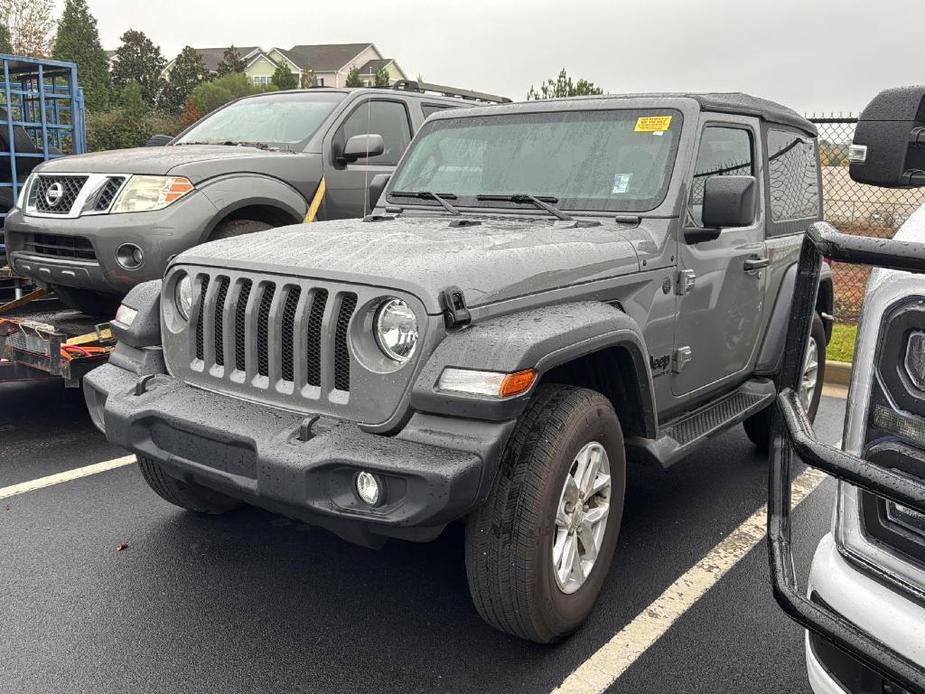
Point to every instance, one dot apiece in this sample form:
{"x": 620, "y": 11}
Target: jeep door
{"x": 347, "y": 182}
{"x": 722, "y": 283}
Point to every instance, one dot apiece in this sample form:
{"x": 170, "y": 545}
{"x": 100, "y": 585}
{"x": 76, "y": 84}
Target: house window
{"x": 261, "y": 80}
{"x": 321, "y": 81}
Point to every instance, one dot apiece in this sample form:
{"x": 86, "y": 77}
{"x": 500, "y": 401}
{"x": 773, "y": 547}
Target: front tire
{"x": 192, "y": 497}
{"x": 515, "y": 541}
{"x": 758, "y": 427}
{"x": 232, "y": 228}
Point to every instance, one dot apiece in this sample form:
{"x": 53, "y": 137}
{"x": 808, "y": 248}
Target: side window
{"x": 793, "y": 176}
{"x": 428, "y": 109}
{"x": 386, "y": 118}
{"x": 724, "y": 151}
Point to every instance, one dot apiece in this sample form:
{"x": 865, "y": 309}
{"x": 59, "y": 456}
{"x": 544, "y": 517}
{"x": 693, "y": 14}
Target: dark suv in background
{"x": 93, "y": 226}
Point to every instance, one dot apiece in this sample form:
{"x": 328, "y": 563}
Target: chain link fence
{"x": 854, "y": 208}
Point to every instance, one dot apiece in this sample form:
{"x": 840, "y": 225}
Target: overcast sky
{"x": 813, "y": 55}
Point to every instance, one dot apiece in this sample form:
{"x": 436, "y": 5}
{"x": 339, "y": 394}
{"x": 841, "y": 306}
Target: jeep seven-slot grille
{"x": 277, "y": 331}
{"x": 56, "y": 194}
{"x": 60, "y": 246}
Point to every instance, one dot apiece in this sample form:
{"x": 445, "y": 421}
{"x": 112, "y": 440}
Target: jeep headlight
{"x": 396, "y": 330}
{"x": 183, "y": 296}
{"x": 147, "y": 193}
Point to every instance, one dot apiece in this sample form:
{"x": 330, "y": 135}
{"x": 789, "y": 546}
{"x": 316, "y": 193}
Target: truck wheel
{"x": 540, "y": 547}
{"x": 184, "y": 494}
{"x": 758, "y": 427}
{"x": 237, "y": 227}
{"x": 86, "y": 301}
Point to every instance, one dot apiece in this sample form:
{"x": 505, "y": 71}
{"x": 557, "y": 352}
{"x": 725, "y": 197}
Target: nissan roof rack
{"x": 415, "y": 86}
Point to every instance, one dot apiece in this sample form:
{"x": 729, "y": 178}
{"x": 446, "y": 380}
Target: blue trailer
{"x": 42, "y": 117}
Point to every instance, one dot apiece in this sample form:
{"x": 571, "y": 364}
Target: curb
{"x": 838, "y": 373}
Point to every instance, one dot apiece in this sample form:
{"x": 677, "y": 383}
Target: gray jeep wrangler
{"x": 95, "y": 225}
{"x": 545, "y": 291}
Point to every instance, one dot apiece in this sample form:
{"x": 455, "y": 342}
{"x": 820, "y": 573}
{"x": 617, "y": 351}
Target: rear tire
{"x": 89, "y": 302}
{"x": 231, "y": 228}
{"x": 510, "y": 564}
{"x": 192, "y": 497}
{"x": 758, "y": 427}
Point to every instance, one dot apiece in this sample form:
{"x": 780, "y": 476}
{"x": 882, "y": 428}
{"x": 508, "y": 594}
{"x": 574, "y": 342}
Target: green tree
{"x": 563, "y": 86}
{"x": 6, "y": 41}
{"x": 283, "y": 77}
{"x": 232, "y": 61}
{"x": 208, "y": 96}
{"x": 308, "y": 78}
{"x": 353, "y": 78}
{"x": 130, "y": 123}
{"x": 187, "y": 73}
{"x": 383, "y": 79}
{"x": 78, "y": 40}
{"x": 139, "y": 61}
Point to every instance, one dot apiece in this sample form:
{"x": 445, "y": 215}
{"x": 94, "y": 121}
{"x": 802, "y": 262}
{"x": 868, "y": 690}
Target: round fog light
{"x": 368, "y": 488}
{"x": 130, "y": 256}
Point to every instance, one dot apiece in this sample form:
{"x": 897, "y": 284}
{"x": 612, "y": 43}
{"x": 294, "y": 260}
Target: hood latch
{"x": 455, "y": 312}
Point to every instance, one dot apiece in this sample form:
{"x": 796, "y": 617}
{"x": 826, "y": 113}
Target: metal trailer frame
{"x": 44, "y": 98}
{"x": 792, "y": 436}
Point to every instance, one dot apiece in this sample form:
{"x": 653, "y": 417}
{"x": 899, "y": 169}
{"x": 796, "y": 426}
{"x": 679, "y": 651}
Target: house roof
{"x": 372, "y": 66}
{"x": 329, "y": 57}
{"x": 211, "y": 57}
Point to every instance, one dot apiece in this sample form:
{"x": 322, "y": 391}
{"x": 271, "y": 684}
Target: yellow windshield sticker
{"x": 653, "y": 124}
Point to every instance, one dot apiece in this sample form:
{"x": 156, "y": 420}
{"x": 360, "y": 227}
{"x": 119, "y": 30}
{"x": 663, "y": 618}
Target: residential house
{"x": 326, "y": 65}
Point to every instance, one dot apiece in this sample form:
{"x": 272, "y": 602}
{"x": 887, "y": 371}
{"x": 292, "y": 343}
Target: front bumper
{"x": 898, "y": 621}
{"x": 793, "y": 438}
{"x": 160, "y": 234}
{"x": 435, "y": 470}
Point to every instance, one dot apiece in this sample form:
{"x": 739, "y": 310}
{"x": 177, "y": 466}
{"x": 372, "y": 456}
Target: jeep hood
{"x": 182, "y": 160}
{"x": 491, "y": 261}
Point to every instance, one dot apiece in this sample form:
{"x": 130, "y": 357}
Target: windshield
{"x": 617, "y": 160}
{"x": 278, "y": 120}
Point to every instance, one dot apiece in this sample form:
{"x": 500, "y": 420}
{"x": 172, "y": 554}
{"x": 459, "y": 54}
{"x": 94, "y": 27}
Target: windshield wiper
{"x": 231, "y": 143}
{"x": 427, "y": 195}
{"x": 542, "y": 203}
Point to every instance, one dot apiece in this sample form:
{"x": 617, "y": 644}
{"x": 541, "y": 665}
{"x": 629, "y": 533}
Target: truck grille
{"x": 108, "y": 193}
{"x": 274, "y": 331}
{"x": 59, "y": 246}
{"x": 56, "y": 194}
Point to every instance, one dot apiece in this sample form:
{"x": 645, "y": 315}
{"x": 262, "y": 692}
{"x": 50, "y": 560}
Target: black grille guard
{"x": 792, "y": 435}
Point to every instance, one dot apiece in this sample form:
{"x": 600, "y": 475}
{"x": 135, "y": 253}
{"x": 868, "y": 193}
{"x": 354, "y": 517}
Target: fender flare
{"x": 772, "y": 348}
{"x": 236, "y": 191}
{"x": 541, "y": 338}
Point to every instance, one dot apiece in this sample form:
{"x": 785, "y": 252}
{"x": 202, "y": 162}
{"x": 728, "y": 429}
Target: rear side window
{"x": 429, "y": 109}
{"x": 386, "y": 118}
{"x": 724, "y": 151}
{"x": 793, "y": 176}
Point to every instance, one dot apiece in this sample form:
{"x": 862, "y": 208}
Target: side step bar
{"x": 679, "y": 437}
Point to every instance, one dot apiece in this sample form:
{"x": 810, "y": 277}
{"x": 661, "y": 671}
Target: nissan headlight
{"x": 24, "y": 192}
{"x": 396, "y": 330}
{"x": 183, "y": 296}
{"x": 147, "y": 193}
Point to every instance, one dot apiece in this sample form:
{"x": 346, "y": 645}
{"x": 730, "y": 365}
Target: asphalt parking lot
{"x": 251, "y": 602}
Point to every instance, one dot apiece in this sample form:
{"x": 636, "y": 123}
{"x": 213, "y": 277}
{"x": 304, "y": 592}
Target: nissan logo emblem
{"x": 54, "y": 194}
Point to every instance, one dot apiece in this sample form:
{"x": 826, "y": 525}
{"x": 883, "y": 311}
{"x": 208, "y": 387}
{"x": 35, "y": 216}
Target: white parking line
{"x": 66, "y": 476}
{"x": 612, "y": 659}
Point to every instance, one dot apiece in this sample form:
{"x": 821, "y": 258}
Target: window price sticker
{"x": 652, "y": 124}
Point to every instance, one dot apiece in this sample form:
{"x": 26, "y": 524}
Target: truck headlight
{"x": 915, "y": 359}
{"x": 147, "y": 193}
{"x": 183, "y": 295}
{"x": 24, "y": 192}
{"x": 396, "y": 330}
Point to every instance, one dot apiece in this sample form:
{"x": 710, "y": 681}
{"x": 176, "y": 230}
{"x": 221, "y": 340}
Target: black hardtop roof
{"x": 722, "y": 102}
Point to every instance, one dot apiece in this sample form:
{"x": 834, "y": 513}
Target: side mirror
{"x": 376, "y": 186}
{"x": 728, "y": 201}
{"x": 363, "y": 146}
{"x": 158, "y": 140}
{"x": 889, "y": 141}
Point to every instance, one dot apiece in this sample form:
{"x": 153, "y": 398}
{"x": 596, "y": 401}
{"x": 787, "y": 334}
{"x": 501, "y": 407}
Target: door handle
{"x": 756, "y": 263}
